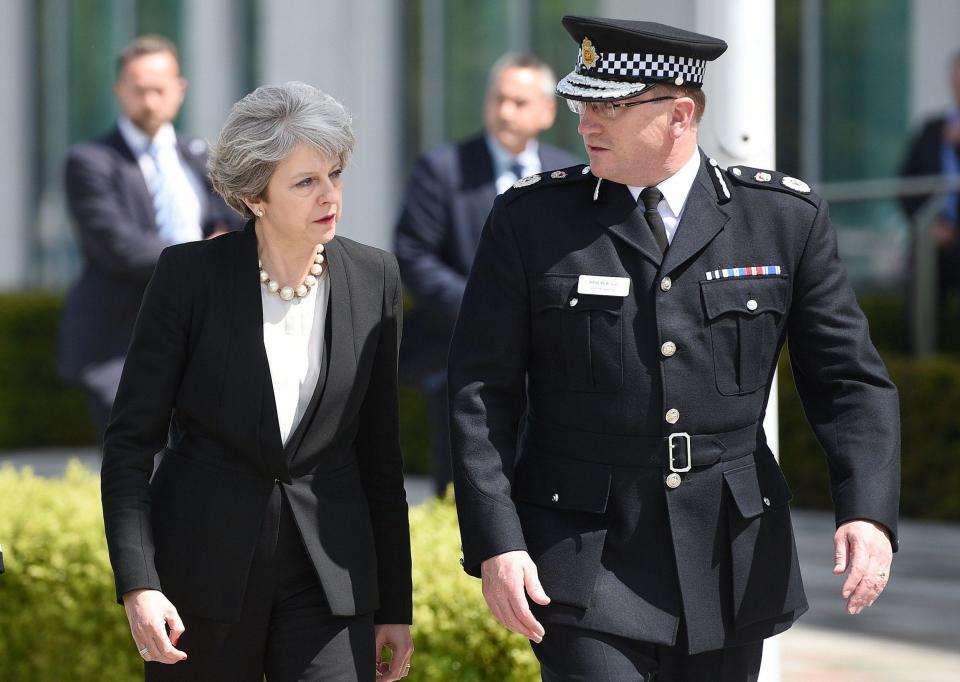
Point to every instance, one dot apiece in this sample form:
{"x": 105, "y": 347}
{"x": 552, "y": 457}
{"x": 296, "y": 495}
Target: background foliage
{"x": 37, "y": 410}
{"x": 59, "y": 619}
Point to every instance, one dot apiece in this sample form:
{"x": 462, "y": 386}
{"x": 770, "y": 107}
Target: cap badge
{"x": 524, "y": 182}
{"x": 588, "y": 54}
{"x": 796, "y": 185}
{"x": 558, "y": 174}
{"x": 763, "y": 176}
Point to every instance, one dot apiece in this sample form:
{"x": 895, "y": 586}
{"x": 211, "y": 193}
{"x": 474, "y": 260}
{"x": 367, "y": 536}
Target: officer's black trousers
{"x": 286, "y": 630}
{"x": 575, "y": 655}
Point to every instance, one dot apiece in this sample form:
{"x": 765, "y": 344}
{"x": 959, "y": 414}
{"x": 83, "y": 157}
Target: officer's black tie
{"x": 651, "y": 197}
{"x": 516, "y": 168}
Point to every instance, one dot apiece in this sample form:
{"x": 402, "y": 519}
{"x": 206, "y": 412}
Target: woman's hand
{"x": 149, "y": 614}
{"x": 396, "y": 638}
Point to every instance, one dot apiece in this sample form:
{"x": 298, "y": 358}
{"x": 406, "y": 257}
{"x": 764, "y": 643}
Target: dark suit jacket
{"x": 450, "y": 194}
{"x": 617, "y": 549}
{"x": 924, "y": 158}
{"x": 197, "y": 352}
{"x": 114, "y": 217}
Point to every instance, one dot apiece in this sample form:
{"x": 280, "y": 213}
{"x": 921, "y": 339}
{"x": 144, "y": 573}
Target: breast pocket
{"x": 579, "y": 335}
{"x": 744, "y": 317}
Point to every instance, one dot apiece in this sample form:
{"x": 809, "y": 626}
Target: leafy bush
{"x": 455, "y": 636}
{"x": 58, "y": 614}
{"x": 36, "y": 408}
{"x": 59, "y": 619}
{"x": 930, "y": 463}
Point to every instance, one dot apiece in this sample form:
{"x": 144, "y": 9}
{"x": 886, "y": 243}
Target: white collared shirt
{"x": 293, "y": 334}
{"x": 189, "y": 186}
{"x": 529, "y": 160}
{"x": 675, "y": 191}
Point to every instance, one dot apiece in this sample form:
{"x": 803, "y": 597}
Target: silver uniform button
{"x": 574, "y": 301}
{"x": 555, "y": 497}
{"x": 672, "y": 416}
{"x": 674, "y": 481}
{"x": 665, "y": 284}
{"x": 766, "y": 501}
{"x": 668, "y": 349}
{"x": 751, "y": 305}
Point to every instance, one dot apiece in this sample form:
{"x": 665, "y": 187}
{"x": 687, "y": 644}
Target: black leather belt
{"x": 674, "y": 452}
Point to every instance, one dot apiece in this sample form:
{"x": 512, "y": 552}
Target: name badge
{"x": 603, "y": 286}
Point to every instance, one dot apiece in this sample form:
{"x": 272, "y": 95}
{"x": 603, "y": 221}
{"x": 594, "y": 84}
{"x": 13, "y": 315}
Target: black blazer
{"x": 197, "y": 352}
{"x": 450, "y": 194}
{"x": 114, "y": 217}
{"x": 617, "y": 549}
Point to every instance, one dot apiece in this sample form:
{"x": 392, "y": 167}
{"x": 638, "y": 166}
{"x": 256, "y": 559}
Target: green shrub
{"x": 455, "y": 636}
{"x": 414, "y": 431}
{"x": 930, "y": 463}
{"x": 36, "y": 408}
{"x": 58, "y": 614}
{"x": 59, "y": 619}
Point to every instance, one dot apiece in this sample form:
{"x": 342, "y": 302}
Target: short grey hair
{"x": 516, "y": 60}
{"x": 264, "y": 128}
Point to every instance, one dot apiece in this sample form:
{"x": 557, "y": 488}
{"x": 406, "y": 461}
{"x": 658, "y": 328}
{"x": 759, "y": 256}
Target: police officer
{"x": 629, "y": 314}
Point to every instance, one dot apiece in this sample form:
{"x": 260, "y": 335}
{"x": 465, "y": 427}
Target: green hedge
{"x": 930, "y": 462}
{"x": 59, "y": 619}
{"x": 37, "y": 410}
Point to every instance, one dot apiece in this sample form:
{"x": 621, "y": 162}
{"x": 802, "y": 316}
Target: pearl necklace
{"x": 287, "y": 293}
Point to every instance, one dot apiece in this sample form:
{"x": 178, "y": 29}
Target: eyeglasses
{"x": 609, "y": 110}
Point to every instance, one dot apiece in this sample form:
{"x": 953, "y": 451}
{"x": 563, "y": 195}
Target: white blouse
{"x": 293, "y": 334}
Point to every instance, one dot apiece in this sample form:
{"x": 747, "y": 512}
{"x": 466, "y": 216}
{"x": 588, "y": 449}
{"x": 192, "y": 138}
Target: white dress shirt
{"x": 675, "y": 190}
{"x": 529, "y": 160}
{"x": 189, "y": 186}
{"x": 293, "y": 334}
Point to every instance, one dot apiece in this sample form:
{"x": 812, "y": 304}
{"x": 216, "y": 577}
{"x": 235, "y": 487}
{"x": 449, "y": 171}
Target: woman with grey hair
{"x": 273, "y": 537}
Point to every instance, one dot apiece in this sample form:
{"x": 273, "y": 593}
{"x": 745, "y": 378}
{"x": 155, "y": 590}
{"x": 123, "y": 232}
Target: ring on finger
{"x": 882, "y": 574}
{"x": 143, "y": 651}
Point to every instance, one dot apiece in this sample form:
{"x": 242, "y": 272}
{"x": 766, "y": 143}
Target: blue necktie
{"x": 516, "y": 168}
{"x": 167, "y": 206}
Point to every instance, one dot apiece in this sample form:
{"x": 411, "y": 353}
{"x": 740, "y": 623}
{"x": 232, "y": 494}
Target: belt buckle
{"x": 671, "y": 445}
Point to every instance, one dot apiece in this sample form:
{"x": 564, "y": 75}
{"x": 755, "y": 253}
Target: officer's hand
{"x": 505, "y": 578}
{"x": 862, "y": 548}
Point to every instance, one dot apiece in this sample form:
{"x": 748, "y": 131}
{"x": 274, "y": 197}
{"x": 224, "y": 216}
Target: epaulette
{"x": 569, "y": 175}
{"x": 769, "y": 179}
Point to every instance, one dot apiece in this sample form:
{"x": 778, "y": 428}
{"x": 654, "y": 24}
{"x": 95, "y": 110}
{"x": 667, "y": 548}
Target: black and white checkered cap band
{"x": 647, "y": 66}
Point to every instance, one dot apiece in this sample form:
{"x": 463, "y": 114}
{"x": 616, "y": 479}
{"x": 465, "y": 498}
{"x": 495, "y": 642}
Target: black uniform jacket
{"x": 198, "y": 352}
{"x": 601, "y": 388}
{"x": 118, "y": 235}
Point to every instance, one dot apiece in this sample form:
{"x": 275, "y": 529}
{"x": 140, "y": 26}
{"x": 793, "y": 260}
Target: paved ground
{"x": 911, "y": 634}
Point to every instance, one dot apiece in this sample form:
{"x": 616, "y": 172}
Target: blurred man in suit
{"x": 451, "y": 191}
{"x": 936, "y": 151}
{"x": 131, "y": 193}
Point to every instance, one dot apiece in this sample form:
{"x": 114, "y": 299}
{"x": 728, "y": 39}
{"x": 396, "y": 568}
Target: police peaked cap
{"x": 619, "y": 59}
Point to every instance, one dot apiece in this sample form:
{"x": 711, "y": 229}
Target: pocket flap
{"x": 553, "y": 291}
{"x": 745, "y": 490}
{"x": 746, "y": 295}
{"x": 588, "y": 302}
{"x": 562, "y": 483}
